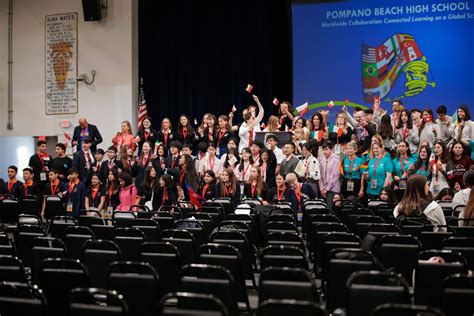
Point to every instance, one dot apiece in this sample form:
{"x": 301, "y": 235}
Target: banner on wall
{"x": 61, "y": 63}
{"x": 418, "y": 51}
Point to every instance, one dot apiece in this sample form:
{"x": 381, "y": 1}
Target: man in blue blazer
{"x": 86, "y": 130}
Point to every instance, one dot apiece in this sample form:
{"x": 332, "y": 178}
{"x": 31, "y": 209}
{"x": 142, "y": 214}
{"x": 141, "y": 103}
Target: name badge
{"x": 350, "y": 186}
{"x": 109, "y": 211}
{"x": 241, "y": 188}
{"x": 373, "y": 184}
{"x": 436, "y": 188}
{"x": 402, "y": 184}
{"x": 218, "y": 151}
{"x": 43, "y": 176}
{"x": 69, "y": 207}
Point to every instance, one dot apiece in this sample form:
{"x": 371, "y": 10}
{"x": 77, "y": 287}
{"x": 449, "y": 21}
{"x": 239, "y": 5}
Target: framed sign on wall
{"x": 61, "y": 64}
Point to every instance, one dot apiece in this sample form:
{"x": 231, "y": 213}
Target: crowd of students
{"x": 367, "y": 155}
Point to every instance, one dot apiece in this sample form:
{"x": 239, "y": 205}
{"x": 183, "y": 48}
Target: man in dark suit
{"x": 83, "y": 161}
{"x": 86, "y": 130}
{"x": 109, "y": 163}
{"x": 172, "y": 161}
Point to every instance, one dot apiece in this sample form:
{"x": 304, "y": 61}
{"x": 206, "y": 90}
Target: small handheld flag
{"x": 331, "y": 104}
{"x": 262, "y": 125}
{"x": 234, "y": 108}
{"x": 249, "y": 88}
{"x": 67, "y": 136}
{"x": 195, "y": 122}
{"x": 346, "y": 101}
{"x": 276, "y": 102}
{"x": 194, "y": 197}
{"x": 302, "y": 109}
{"x": 376, "y": 103}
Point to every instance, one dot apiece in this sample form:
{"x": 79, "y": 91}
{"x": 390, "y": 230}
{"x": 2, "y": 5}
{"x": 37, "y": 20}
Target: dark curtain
{"x": 197, "y": 56}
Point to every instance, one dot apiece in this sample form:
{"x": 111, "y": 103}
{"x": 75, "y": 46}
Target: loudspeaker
{"x": 91, "y": 10}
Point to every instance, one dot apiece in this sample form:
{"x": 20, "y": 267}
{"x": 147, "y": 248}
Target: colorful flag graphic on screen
{"x": 383, "y": 64}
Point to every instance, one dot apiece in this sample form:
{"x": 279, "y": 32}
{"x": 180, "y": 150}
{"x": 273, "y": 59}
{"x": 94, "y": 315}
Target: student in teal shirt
{"x": 422, "y": 164}
{"x": 401, "y": 164}
{"x": 352, "y": 173}
{"x": 379, "y": 172}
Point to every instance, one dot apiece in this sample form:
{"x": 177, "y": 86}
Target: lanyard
{"x": 351, "y": 165}
{"x": 53, "y": 188}
{"x": 245, "y": 170}
{"x": 227, "y": 192}
{"x": 221, "y": 134}
{"x": 211, "y": 163}
{"x": 204, "y": 189}
{"x": 146, "y": 134}
{"x": 42, "y": 162}
{"x": 263, "y": 170}
{"x": 185, "y": 133}
{"x": 173, "y": 161}
{"x": 165, "y": 197}
{"x": 253, "y": 187}
{"x": 298, "y": 196}
{"x": 26, "y": 185}
{"x": 376, "y": 164}
{"x": 280, "y": 195}
{"x": 165, "y": 134}
{"x": 94, "y": 193}
{"x": 402, "y": 164}
{"x": 182, "y": 173}
{"x": 71, "y": 186}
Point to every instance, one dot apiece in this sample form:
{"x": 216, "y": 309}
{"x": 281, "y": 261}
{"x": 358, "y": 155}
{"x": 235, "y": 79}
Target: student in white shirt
{"x": 251, "y": 126}
{"x": 242, "y": 170}
{"x": 211, "y": 162}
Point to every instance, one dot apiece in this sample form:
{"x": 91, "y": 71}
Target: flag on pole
{"x": 249, "y": 88}
{"x": 302, "y": 109}
{"x": 276, "y": 102}
{"x": 142, "y": 108}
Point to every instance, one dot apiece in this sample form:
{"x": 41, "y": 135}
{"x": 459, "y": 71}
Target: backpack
{"x": 415, "y": 219}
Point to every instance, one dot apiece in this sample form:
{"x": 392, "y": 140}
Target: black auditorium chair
{"x": 24, "y": 242}
{"x": 75, "y": 237}
{"x": 405, "y": 310}
{"x": 21, "y": 299}
{"x": 57, "y": 278}
{"x": 166, "y": 260}
{"x": 129, "y": 240}
{"x": 342, "y": 262}
{"x": 123, "y": 218}
{"x": 138, "y": 282}
{"x": 246, "y": 249}
{"x": 9, "y": 210}
{"x": 194, "y": 227}
{"x": 97, "y": 255}
{"x": 283, "y": 256}
{"x": 289, "y": 307}
{"x": 149, "y": 227}
{"x": 6, "y": 245}
{"x": 96, "y": 302}
{"x": 432, "y": 268}
{"x": 57, "y": 225}
{"x": 228, "y": 257}
{"x": 29, "y": 205}
{"x": 368, "y": 289}
{"x": 431, "y": 237}
{"x": 12, "y": 269}
{"x": 43, "y": 248}
{"x": 164, "y": 219}
{"x": 53, "y": 206}
{"x": 464, "y": 245}
{"x": 211, "y": 279}
{"x": 458, "y": 295}
{"x": 287, "y": 283}
{"x": 184, "y": 241}
{"x": 103, "y": 228}
{"x": 191, "y": 304}
{"x": 398, "y": 252}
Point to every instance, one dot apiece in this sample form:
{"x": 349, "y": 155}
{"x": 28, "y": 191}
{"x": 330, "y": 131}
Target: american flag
{"x": 142, "y": 108}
